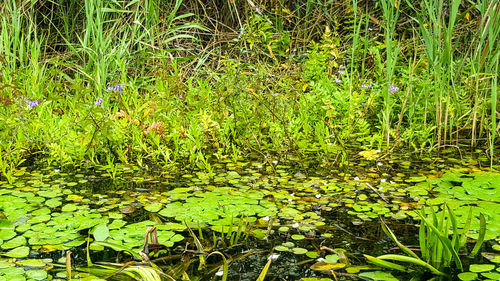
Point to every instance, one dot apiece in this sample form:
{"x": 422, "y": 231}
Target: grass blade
{"x": 482, "y": 233}
{"x": 386, "y": 264}
{"x": 389, "y": 233}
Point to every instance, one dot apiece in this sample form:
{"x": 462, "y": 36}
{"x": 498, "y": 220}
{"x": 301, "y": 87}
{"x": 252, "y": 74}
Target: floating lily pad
{"x": 298, "y": 237}
{"x": 19, "y": 252}
{"x": 37, "y": 274}
{"x": 378, "y": 275}
{"x": 281, "y": 248}
{"x": 481, "y": 267}
{"x": 31, "y": 263}
{"x": 332, "y": 258}
{"x": 14, "y": 242}
{"x": 467, "y": 276}
{"x": 153, "y": 207}
{"x": 100, "y": 232}
{"x": 312, "y": 255}
{"x": 299, "y": 251}
{"x": 491, "y": 275}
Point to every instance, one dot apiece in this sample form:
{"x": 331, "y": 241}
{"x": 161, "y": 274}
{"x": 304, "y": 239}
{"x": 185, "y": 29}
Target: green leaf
{"x": 379, "y": 276}
{"x": 19, "y": 252}
{"x": 467, "y": 276}
{"x": 481, "y": 267}
{"x": 482, "y": 232}
{"x": 386, "y": 264}
{"x": 14, "y": 242}
{"x": 332, "y": 258}
{"x": 100, "y": 232}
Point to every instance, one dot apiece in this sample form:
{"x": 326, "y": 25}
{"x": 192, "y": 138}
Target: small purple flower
{"x": 98, "y": 102}
{"x": 31, "y": 103}
{"x": 341, "y": 70}
{"x": 366, "y": 86}
{"x": 393, "y": 89}
{"x": 337, "y": 80}
{"x": 117, "y": 87}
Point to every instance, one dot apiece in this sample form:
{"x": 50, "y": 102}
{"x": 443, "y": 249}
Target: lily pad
{"x": 14, "y": 242}
{"x": 481, "y": 267}
{"x": 31, "y": 263}
{"x": 299, "y": 251}
{"x": 379, "y": 275}
{"x": 467, "y": 276}
{"x": 19, "y": 252}
{"x": 491, "y": 275}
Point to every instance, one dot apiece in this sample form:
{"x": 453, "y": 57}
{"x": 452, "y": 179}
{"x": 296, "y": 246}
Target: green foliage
{"x": 438, "y": 251}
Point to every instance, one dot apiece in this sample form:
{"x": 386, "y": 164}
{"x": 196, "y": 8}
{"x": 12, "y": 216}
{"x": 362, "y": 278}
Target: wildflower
{"x": 266, "y": 218}
{"x": 337, "y": 80}
{"x": 356, "y": 178}
{"x": 117, "y": 87}
{"x": 379, "y": 164}
{"x": 366, "y": 86}
{"x": 273, "y": 257}
{"x": 393, "y": 89}
{"x": 220, "y": 272}
{"x": 32, "y": 103}
{"x": 383, "y": 180}
{"x": 295, "y": 225}
{"x": 98, "y": 102}
{"x": 341, "y": 70}
{"x": 275, "y": 162}
{"x": 317, "y": 196}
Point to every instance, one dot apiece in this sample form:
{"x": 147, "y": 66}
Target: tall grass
{"x": 273, "y": 90}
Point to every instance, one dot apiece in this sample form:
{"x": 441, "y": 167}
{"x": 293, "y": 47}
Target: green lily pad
{"x": 100, "y": 232}
{"x": 312, "y": 255}
{"x": 281, "y": 248}
{"x": 379, "y": 275}
{"x": 31, "y": 263}
{"x": 6, "y": 234}
{"x": 332, "y": 258}
{"x": 69, "y": 208}
{"x": 37, "y": 274}
{"x": 14, "y": 242}
{"x": 153, "y": 207}
{"x": 298, "y": 237}
{"x": 53, "y": 203}
{"x": 481, "y": 267}
{"x": 467, "y": 276}
{"x": 19, "y": 252}
{"x": 299, "y": 251}
{"x": 491, "y": 275}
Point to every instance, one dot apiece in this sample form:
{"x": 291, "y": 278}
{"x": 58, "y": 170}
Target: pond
{"x": 274, "y": 221}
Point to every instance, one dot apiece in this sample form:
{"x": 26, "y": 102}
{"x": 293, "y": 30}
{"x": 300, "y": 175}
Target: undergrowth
{"x": 143, "y": 82}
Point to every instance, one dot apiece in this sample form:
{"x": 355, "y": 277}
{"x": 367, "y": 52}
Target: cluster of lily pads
{"x": 47, "y": 211}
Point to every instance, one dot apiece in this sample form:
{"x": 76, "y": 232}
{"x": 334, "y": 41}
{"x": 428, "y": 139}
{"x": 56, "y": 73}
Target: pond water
{"x": 315, "y": 226}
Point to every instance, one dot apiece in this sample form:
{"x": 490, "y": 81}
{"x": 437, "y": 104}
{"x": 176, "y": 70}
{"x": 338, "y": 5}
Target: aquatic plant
{"x": 438, "y": 251}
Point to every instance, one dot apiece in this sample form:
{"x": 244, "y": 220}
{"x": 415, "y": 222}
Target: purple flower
{"x": 337, "y": 80}
{"x": 117, "y": 87}
{"x": 98, "y": 102}
{"x": 393, "y": 89}
{"x": 366, "y": 86}
{"x": 31, "y": 103}
{"x": 341, "y": 70}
